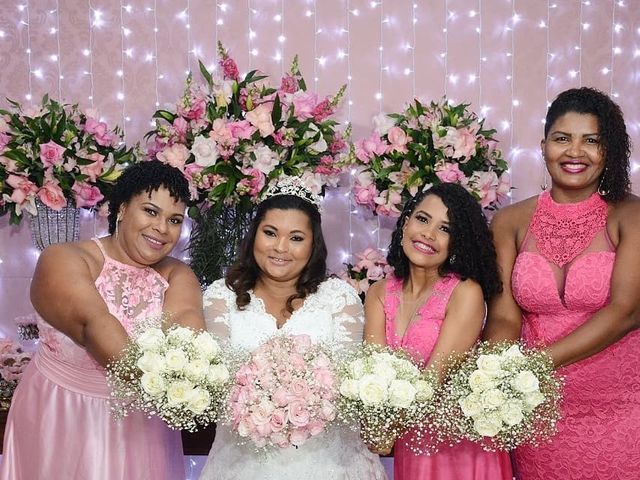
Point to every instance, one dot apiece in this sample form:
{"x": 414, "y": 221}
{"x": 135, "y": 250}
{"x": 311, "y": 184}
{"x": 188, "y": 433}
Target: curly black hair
{"x": 614, "y": 139}
{"x": 146, "y": 177}
{"x": 244, "y": 273}
{"x": 470, "y": 241}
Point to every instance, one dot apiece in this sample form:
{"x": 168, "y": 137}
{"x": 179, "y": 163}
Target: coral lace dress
{"x": 560, "y": 279}
{"x": 463, "y": 461}
{"x": 59, "y": 424}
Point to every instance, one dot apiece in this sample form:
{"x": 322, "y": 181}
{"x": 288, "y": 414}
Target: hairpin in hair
{"x": 288, "y": 185}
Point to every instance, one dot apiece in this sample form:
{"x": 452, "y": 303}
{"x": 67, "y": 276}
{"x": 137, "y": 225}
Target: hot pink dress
{"x": 560, "y": 279}
{"x": 466, "y": 460}
{"x": 59, "y": 424}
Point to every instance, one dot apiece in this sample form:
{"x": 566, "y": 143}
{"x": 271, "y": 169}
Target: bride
{"x": 279, "y": 284}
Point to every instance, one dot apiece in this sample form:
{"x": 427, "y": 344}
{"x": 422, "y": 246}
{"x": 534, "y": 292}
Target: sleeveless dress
{"x": 561, "y": 277}
{"x": 332, "y": 314}
{"x": 463, "y": 461}
{"x": 59, "y": 424}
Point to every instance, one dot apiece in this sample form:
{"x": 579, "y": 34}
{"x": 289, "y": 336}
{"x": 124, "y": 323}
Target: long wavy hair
{"x": 470, "y": 241}
{"x": 244, "y": 273}
{"x": 614, "y": 139}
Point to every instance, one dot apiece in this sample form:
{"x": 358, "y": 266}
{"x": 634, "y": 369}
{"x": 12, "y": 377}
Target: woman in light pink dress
{"x": 570, "y": 261}
{"x": 434, "y": 306}
{"x": 90, "y": 295}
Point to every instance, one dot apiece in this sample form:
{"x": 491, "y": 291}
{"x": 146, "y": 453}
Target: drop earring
{"x": 118, "y": 220}
{"x": 452, "y": 259}
{"x": 544, "y": 185}
{"x": 602, "y": 191}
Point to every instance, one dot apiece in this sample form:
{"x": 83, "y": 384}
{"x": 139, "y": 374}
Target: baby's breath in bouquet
{"x": 502, "y": 396}
{"x": 179, "y": 375}
{"x": 384, "y": 392}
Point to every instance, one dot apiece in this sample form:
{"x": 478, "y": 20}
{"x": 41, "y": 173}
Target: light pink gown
{"x": 560, "y": 279}
{"x": 466, "y": 460}
{"x": 59, "y": 424}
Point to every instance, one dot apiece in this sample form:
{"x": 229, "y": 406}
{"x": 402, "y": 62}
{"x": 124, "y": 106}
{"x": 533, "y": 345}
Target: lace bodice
{"x": 130, "y": 293}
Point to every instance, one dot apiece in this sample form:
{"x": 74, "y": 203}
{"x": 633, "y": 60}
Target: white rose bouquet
{"x": 384, "y": 392}
{"x": 180, "y": 375}
{"x": 502, "y": 396}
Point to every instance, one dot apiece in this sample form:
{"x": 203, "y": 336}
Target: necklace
{"x": 419, "y": 302}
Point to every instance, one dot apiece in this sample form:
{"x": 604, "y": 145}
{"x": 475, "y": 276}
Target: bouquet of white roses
{"x": 384, "y": 392}
{"x": 179, "y": 375}
{"x": 502, "y": 396}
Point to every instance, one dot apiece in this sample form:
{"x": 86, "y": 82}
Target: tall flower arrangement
{"x": 58, "y": 154}
{"x": 425, "y": 145}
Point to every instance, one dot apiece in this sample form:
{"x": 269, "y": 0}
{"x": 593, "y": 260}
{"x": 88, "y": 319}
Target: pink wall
{"x": 508, "y": 58}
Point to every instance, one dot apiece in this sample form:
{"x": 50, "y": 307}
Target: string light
{"x": 89, "y": 52}
{"x": 120, "y": 73}
{"x": 57, "y": 60}
{"x": 25, "y": 8}
{"x": 155, "y": 50}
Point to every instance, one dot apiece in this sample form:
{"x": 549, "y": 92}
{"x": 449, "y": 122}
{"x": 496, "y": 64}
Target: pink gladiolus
{"x": 322, "y": 110}
{"x": 229, "y": 68}
{"x": 52, "y": 154}
{"x": 52, "y": 196}
{"x": 289, "y": 84}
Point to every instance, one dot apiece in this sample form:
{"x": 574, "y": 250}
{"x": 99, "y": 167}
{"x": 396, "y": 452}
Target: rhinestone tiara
{"x": 288, "y": 185}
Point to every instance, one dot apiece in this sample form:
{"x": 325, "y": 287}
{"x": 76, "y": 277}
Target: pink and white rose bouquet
{"x": 371, "y": 266}
{"x": 423, "y": 146}
{"x": 231, "y": 135}
{"x": 58, "y": 154}
{"x": 284, "y": 394}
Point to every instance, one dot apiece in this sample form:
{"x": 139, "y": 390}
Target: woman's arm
{"x": 504, "y": 321}
{"x": 374, "y": 324}
{"x": 183, "y": 298}
{"x": 64, "y": 294}
{"x": 620, "y": 315}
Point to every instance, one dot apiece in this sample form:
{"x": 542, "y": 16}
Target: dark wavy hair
{"x": 469, "y": 239}
{"x": 614, "y": 139}
{"x": 146, "y": 177}
{"x": 244, "y": 273}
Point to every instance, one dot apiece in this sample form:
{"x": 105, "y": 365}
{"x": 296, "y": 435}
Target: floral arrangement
{"x": 284, "y": 394}
{"x": 13, "y": 361}
{"x": 502, "y": 396}
{"x": 231, "y": 135}
{"x": 370, "y": 267}
{"x": 180, "y": 375}
{"x": 57, "y": 154}
{"x": 424, "y": 146}
{"x": 384, "y": 392}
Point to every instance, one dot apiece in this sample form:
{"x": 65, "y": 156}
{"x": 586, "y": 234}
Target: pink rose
{"x": 281, "y": 397}
{"x": 369, "y": 147}
{"x": 398, "y": 140}
{"x": 316, "y": 427}
{"x": 324, "y": 377}
{"x": 51, "y": 154}
{"x": 52, "y": 196}
{"x": 229, "y": 68}
{"x": 298, "y": 414}
{"x": 175, "y": 155}
{"x": 86, "y": 195}
{"x": 23, "y": 188}
{"x": 241, "y": 129}
{"x": 260, "y": 117}
{"x": 278, "y": 419}
{"x": 99, "y": 130}
{"x": 299, "y": 436}
{"x": 303, "y": 105}
{"x": 299, "y": 388}
{"x": 450, "y": 173}
{"x": 95, "y": 168}
{"x": 365, "y": 195}
{"x": 245, "y": 375}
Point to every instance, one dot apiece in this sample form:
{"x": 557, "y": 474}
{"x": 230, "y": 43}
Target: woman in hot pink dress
{"x": 90, "y": 295}
{"x": 445, "y": 269}
{"x": 570, "y": 260}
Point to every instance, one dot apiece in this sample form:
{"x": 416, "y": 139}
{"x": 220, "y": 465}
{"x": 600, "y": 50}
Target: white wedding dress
{"x": 333, "y": 314}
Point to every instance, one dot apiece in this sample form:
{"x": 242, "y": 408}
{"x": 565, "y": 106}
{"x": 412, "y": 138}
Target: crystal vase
{"x": 50, "y": 226}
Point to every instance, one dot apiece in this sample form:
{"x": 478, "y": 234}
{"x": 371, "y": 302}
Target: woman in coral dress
{"x": 570, "y": 263}
{"x": 91, "y": 295}
{"x": 445, "y": 269}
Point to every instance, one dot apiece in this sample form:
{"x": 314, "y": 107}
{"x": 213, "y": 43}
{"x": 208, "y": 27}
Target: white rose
{"x": 179, "y": 392}
{"x": 384, "y": 358}
{"x": 151, "y": 362}
{"x": 372, "y": 390}
{"x": 382, "y": 123}
{"x": 266, "y": 159}
{"x": 525, "y": 382}
{"x": 150, "y": 339}
{"x": 492, "y": 399}
{"x": 153, "y": 384}
{"x": 357, "y": 368}
{"x": 470, "y": 405}
{"x": 424, "y": 390}
{"x": 218, "y": 374}
{"x": 175, "y": 359}
{"x": 205, "y": 151}
{"x": 401, "y": 393}
{"x": 479, "y": 381}
{"x": 206, "y": 346}
{"x": 180, "y": 336}
{"x": 196, "y": 369}
{"x": 199, "y": 401}
{"x": 533, "y": 399}
{"x": 512, "y": 352}
{"x": 490, "y": 364}
{"x": 487, "y": 425}
{"x": 511, "y": 412}
{"x": 349, "y": 388}
{"x": 406, "y": 369}
{"x": 384, "y": 372}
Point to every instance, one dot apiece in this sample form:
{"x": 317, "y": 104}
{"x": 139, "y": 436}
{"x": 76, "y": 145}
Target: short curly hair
{"x": 244, "y": 273}
{"x": 614, "y": 139}
{"x": 146, "y": 177}
{"x": 470, "y": 239}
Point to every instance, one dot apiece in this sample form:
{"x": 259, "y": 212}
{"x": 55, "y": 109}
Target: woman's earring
{"x": 544, "y": 184}
{"x": 452, "y": 259}
{"x": 601, "y": 188}
{"x": 118, "y": 220}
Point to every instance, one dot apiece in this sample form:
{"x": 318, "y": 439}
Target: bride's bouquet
{"x": 179, "y": 375}
{"x": 284, "y": 394}
{"x": 384, "y": 392}
{"x": 502, "y": 396}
